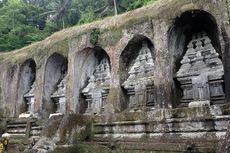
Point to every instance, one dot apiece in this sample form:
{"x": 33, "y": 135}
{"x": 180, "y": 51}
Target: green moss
{"x": 110, "y": 36}
{"x": 191, "y": 112}
{"x": 51, "y": 126}
{"x": 130, "y": 116}
{"x": 225, "y": 109}
{"x": 87, "y": 148}
{"x": 79, "y": 124}
{"x": 112, "y": 96}
{"x": 84, "y": 148}
{"x": 3, "y": 125}
{"x": 94, "y": 34}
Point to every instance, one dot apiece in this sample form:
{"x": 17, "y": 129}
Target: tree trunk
{"x": 63, "y": 23}
{"x": 115, "y": 7}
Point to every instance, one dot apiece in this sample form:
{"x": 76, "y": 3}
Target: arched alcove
{"x": 185, "y": 31}
{"x": 27, "y": 76}
{"x": 55, "y": 70}
{"x": 85, "y": 66}
{"x": 139, "y": 49}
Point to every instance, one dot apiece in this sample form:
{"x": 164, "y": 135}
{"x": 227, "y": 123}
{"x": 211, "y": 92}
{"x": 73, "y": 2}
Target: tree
{"x": 26, "y": 21}
{"x": 58, "y": 10}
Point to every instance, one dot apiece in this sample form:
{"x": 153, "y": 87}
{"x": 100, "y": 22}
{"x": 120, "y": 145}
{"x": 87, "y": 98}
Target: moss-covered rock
{"x": 51, "y": 126}
{"x": 83, "y": 148}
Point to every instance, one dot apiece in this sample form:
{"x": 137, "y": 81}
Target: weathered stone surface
{"x": 44, "y": 145}
{"x": 167, "y": 27}
{"x": 224, "y": 146}
{"x": 55, "y": 71}
{"x": 113, "y": 39}
{"x": 201, "y": 72}
{"x": 97, "y": 90}
{"x": 59, "y": 97}
{"x": 30, "y": 97}
{"x": 140, "y": 82}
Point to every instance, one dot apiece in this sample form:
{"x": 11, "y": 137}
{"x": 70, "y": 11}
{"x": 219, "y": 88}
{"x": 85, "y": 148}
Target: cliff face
{"x": 147, "y": 47}
{"x": 116, "y": 36}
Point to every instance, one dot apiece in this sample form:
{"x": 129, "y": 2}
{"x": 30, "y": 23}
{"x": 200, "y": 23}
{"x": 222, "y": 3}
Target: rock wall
{"x": 167, "y": 26}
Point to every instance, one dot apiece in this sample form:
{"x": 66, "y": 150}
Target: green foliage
{"x": 137, "y": 3}
{"x": 87, "y": 16}
{"x": 94, "y": 36}
{"x": 25, "y": 21}
{"x": 19, "y": 25}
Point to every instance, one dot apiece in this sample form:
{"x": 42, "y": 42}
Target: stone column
{"x": 62, "y": 105}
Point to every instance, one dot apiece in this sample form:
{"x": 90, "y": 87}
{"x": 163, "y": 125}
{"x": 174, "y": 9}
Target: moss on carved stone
{"x": 112, "y": 96}
{"x": 225, "y": 109}
{"x": 130, "y": 116}
{"x": 75, "y": 127}
{"x": 110, "y": 36}
{"x": 92, "y": 148}
{"x": 3, "y": 125}
{"x": 51, "y": 126}
{"x": 95, "y": 33}
{"x": 85, "y": 148}
{"x": 191, "y": 112}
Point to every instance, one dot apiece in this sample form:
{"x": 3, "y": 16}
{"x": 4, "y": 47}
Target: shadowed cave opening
{"x": 55, "y": 70}
{"x": 180, "y": 34}
{"x": 27, "y": 76}
{"x": 85, "y": 64}
{"x": 127, "y": 59}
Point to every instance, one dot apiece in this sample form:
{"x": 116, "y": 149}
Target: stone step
{"x": 18, "y": 121}
{"x": 35, "y": 133}
{"x": 17, "y": 135}
{"x": 172, "y": 125}
{"x": 175, "y": 146}
{"x": 36, "y": 128}
{"x": 12, "y": 131}
{"x": 194, "y": 137}
{"x": 16, "y": 125}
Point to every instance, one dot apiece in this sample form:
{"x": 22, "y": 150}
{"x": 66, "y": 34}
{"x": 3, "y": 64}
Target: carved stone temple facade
{"x": 201, "y": 72}
{"x": 30, "y": 99}
{"x": 158, "y": 75}
{"x": 59, "y": 97}
{"x": 140, "y": 82}
{"x": 97, "y": 90}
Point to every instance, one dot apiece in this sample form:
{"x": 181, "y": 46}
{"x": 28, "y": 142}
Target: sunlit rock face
{"x": 30, "y": 99}
{"x": 59, "y": 97}
{"x": 97, "y": 90}
{"x": 140, "y": 83}
{"x": 201, "y": 73}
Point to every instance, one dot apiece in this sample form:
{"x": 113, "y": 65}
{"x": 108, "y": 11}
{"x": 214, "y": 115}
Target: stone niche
{"x": 180, "y": 35}
{"x": 97, "y": 90}
{"x": 54, "y": 85}
{"x": 30, "y": 99}
{"x": 201, "y": 73}
{"x": 26, "y": 90}
{"x": 91, "y": 80}
{"x": 140, "y": 81}
{"x": 59, "y": 97}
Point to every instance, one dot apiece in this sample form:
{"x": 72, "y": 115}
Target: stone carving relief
{"x": 30, "y": 99}
{"x": 201, "y": 73}
{"x": 140, "y": 82}
{"x": 97, "y": 90}
{"x": 59, "y": 97}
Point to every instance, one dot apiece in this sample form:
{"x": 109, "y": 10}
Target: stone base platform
{"x": 20, "y": 129}
{"x": 174, "y": 130}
